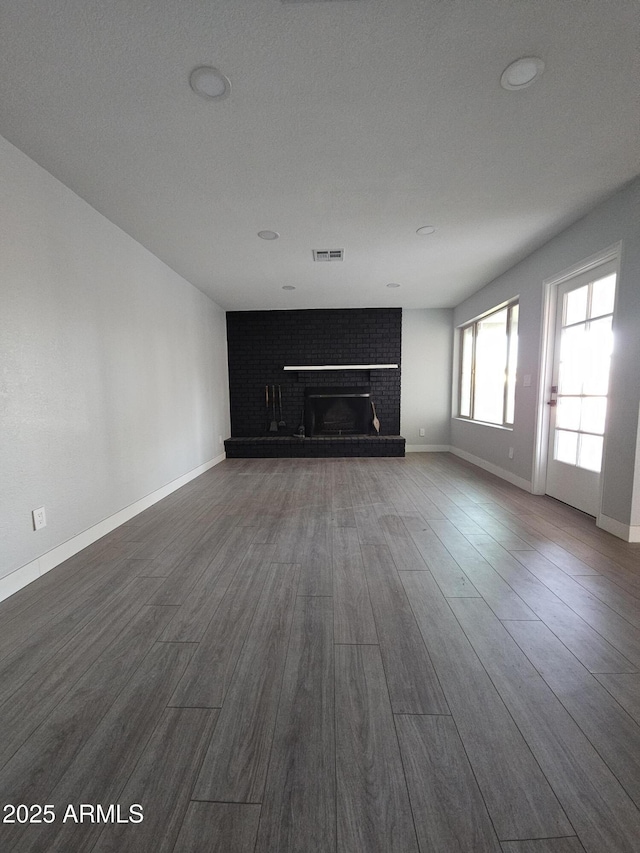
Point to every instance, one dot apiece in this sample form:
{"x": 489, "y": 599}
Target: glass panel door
{"x": 582, "y": 357}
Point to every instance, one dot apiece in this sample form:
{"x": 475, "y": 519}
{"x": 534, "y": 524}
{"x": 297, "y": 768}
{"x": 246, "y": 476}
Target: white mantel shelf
{"x": 340, "y": 367}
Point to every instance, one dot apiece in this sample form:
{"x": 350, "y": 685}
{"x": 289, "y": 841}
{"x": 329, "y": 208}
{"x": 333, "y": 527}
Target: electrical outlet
{"x": 219, "y": 439}
{"x": 422, "y": 433}
{"x": 39, "y": 518}
{"x": 511, "y": 453}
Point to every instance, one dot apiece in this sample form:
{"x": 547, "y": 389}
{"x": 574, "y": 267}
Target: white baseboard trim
{"x": 628, "y": 532}
{"x": 520, "y": 482}
{"x": 26, "y": 574}
{"x": 426, "y": 448}
{"x": 16, "y": 580}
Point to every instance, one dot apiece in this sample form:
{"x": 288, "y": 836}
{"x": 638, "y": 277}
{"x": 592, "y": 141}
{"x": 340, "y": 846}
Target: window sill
{"x": 483, "y": 423}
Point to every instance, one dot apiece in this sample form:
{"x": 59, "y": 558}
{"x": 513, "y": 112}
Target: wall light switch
{"x": 526, "y": 380}
{"x": 39, "y": 518}
{"x": 511, "y": 453}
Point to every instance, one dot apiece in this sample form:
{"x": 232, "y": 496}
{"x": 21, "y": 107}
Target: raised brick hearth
{"x": 317, "y": 446}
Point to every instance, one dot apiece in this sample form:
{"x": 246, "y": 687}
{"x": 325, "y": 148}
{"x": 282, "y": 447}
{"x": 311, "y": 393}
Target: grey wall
{"x": 617, "y": 219}
{"x": 114, "y": 374}
{"x": 426, "y": 376}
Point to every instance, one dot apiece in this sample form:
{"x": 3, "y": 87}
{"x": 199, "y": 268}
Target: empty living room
{"x": 320, "y": 426}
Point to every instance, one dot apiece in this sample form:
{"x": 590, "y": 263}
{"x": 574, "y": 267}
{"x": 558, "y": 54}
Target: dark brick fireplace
{"x": 262, "y": 343}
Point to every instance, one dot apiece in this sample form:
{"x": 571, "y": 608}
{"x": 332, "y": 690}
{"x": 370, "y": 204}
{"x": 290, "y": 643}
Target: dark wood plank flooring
{"x": 329, "y": 656}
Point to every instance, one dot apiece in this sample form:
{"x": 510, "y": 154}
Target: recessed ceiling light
{"x": 268, "y": 235}
{"x": 393, "y": 285}
{"x": 521, "y": 73}
{"x": 426, "y": 229}
{"x": 209, "y": 83}
{"x": 288, "y": 287}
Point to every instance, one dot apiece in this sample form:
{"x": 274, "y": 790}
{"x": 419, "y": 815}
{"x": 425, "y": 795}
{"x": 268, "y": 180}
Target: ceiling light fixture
{"x": 521, "y": 73}
{"x": 425, "y": 230}
{"x": 288, "y": 287}
{"x": 393, "y": 284}
{"x": 209, "y": 83}
{"x": 268, "y": 235}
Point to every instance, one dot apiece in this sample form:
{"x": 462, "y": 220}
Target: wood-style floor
{"x": 332, "y": 655}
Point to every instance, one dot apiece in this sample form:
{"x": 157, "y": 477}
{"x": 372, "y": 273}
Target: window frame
{"x": 473, "y": 325}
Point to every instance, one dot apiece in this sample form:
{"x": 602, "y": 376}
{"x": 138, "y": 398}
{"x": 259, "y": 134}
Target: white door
{"x": 578, "y": 395}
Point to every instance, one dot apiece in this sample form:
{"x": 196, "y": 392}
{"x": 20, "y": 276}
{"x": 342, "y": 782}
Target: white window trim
{"x": 505, "y": 425}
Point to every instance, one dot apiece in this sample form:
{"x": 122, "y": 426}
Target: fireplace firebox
{"x": 337, "y": 411}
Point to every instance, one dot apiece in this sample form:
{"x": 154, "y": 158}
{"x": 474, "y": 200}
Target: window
{"x": 488, "y": 358}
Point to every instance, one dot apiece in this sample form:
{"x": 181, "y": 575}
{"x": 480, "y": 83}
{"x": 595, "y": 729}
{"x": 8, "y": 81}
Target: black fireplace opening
{"x": 338, "y": 411}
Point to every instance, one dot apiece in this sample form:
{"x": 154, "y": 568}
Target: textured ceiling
{"x": 349, "y": 125}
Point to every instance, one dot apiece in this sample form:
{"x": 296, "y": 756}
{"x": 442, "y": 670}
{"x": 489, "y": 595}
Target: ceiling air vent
{"x": 328, "y": 254}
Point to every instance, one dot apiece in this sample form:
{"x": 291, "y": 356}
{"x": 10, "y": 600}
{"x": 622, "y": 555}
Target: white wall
{"x": 114, "y": 374}
{"x": 425, "y": 396}
{"x": 617, "y": 219}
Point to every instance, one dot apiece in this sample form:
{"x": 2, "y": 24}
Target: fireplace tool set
{"x": 270, "y": 401}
